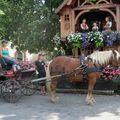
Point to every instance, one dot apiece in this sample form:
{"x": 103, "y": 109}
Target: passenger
{"x": 41, "y": 68}
{"x": 4, "y": 53}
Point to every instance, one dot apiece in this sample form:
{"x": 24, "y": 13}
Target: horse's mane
{"x": 102, "y": 57}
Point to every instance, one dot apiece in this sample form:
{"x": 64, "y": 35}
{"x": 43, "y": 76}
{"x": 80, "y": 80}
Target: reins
{"x": 56, "y": 76}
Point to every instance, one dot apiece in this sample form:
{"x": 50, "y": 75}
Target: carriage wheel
{"x": 11, "y": 91}
{"x": 28, "y": 88}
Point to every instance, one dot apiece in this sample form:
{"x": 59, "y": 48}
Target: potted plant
{"x": 75, "y": 39}
{"x": 96, "y": 38}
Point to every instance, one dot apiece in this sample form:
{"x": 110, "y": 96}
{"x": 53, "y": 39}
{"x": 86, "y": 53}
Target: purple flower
{"x": 84, "y": 40}
{"x": 109, "y": 37}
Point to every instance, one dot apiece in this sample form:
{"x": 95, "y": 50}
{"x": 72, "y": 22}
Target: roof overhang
{"x": 69, "y": 2}
{"x": 66, "y": 2}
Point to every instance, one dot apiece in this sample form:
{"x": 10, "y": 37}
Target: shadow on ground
{"x": 70, "y": 107}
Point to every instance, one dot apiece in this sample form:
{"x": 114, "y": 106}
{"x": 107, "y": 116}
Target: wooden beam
{"x": 61, "y": 6}
{"x": 103, "y": 1}
{"x": 91, "y": 7}
{"x": 78, "y": 3}
{"x": 82, "y": 12}
{"x": 73, "y": 21}
{"x": 69, "y": 2}
{"x": 87, "y": 1}
{"x": 111, "y": 12}
{"x": 111, "y": 1}
{"x": 118, "y": 18}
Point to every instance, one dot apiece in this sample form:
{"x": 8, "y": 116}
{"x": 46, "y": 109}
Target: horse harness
{"x": 85, "y": 69}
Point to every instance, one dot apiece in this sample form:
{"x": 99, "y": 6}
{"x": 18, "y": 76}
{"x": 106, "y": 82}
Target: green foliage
{"x": 93, "y": 1}
{"x": 96, "y": 37}
{"x": 57, "y": 40}
{"x": 30, "y": 24}
{"x": 75, "y": 39}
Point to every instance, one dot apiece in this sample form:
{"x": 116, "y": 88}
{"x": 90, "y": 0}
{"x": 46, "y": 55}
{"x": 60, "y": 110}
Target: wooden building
{"x": 72, "y": 12}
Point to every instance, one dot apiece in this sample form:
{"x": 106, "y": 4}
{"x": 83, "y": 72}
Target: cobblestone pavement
{"x": 70, "y": 107}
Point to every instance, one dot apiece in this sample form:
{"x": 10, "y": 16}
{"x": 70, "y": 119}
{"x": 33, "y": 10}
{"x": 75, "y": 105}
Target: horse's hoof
{"x": 57, "y": 99}
{"x": 94, "y": 101}
{"x": 53, "y": 100}
{"x": 90, "y": 102}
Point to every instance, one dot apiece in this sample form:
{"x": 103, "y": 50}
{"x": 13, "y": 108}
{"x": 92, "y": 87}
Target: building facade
{"x": 72, "y": 12}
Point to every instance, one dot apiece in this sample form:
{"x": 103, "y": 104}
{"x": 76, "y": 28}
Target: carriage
{"x": 14, "y": 85}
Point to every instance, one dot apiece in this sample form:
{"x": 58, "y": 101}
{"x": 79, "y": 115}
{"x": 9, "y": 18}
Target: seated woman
{"x": 95, "y": 27}
{"x": 4, "y": 54}
{"x": 83, "y": 26}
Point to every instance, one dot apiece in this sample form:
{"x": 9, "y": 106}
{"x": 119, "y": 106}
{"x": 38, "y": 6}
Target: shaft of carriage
{"x": 51, "y": 77}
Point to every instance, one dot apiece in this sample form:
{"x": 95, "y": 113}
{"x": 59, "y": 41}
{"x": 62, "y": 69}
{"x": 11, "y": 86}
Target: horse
{"x": 67, "y": 66}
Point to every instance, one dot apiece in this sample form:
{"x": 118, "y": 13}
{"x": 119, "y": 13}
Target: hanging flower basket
{"x": 109, "y": 37}
{"x": 75, "y": 39}
{"x": 83, "y": 40}
{"x": 96, "y": 38}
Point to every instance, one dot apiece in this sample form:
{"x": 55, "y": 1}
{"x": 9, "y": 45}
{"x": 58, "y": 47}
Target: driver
{"x": 4, "y": 53}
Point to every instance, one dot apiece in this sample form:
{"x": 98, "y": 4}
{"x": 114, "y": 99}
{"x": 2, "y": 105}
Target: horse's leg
{"x": 51, "y": 89}
{"x": 91, "y": 84}
{"x": 51, "y": 85}
{"x": 54, "y": 97}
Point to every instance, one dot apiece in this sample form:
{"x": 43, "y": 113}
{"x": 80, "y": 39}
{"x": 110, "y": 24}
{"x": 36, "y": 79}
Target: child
{"x": 40, "y": 65}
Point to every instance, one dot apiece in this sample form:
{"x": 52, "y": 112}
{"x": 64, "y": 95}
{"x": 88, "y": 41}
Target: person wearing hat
{"x": 41, "y": 69}
{"x": 4, "y": 54}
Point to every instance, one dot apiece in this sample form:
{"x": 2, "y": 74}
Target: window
{"x": 67, "y": 18}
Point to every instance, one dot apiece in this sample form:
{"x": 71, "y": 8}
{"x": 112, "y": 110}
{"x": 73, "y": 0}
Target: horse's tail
{"x": 48, "y": 81}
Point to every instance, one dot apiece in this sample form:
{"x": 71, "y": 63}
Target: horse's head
{"x": 115, "y": 60}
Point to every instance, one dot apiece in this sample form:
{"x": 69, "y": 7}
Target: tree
{"x": 30, "y": 24}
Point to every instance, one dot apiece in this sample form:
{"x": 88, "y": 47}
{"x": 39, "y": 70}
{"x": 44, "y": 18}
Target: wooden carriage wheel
{"x": 11, "y": 91}
{"x": 28, "y": 88}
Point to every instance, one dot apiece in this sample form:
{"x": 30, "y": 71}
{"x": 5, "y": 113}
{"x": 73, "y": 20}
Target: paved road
{"x": 70, "y": 107}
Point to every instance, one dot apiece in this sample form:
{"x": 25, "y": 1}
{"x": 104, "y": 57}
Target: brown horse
{"x": 64, "y": 65}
